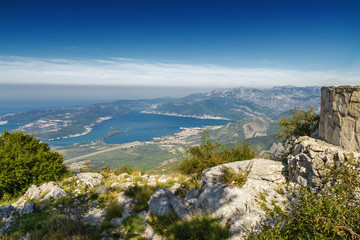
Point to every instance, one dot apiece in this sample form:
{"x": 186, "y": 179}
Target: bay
{"x": 136, "y": 126}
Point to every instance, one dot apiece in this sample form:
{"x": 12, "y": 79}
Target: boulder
{"x": 32, "y": 193}
{"x": 240, "y": 207}
{"x": 27, "y": 209}
{"x": 159, "y": 202}
{"x": 181, "y": 207}
{"x": 48, "y": 189}
{"x": 94, "y": 217}
{"x": 103, "y": 190}
{"x": 55, "y": 193}
{"x": 89, "y": 179}
{"x": 6, "y": 212}
{"x": 123, "y": 199}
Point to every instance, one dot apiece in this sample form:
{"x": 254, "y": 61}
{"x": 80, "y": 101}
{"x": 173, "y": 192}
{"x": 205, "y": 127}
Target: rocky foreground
{"x": 243, "y": 209}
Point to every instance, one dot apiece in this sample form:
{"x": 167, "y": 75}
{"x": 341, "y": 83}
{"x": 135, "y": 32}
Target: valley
{"x": 149, "y": 134}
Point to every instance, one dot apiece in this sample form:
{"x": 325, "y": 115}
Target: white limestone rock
{"x": 159, "y": 202}
{"x": 94, "y": 217}
{"x": 238, "y": 206}
{"x": 90, "y": 179}
{"x": 55, "y": 193}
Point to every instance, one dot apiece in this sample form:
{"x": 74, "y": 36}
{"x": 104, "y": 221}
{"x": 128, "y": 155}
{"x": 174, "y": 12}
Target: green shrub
{"x": 193, "y": 183}
{"x": 332, "y": 213}
{"x": 300, "y": 123}
{"x": 134, "y": 226}
{"x": 125, "y": 169}
{"x": 114, "y": 210}
{"x": 24, "y": 161}
{"x": 229, "y": 177}
{"x": 237, "y": 153}
{"x": 210, "y": 154}
{"x": 199, "y": 228}
{"x": 161, "y": 223}
{"x": 141, "y": 195}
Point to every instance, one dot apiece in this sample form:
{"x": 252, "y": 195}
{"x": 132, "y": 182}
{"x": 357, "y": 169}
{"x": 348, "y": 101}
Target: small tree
{"x": 210, "y": 154}
{"x": 24, "y": 161}
{"x": 300, "y": 123}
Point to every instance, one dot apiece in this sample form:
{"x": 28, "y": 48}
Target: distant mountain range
{"x": 242, "y": 103}
{"x": 234, "y": 104}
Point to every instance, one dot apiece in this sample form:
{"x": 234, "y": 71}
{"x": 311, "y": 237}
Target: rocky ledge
{"x": 242, "y": 208}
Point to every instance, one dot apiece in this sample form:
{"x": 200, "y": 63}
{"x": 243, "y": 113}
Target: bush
{"x": 210, "y": 154}
{"x": 24, "y": 161}
{"x": 141, "y": 195}
{"x": 332, "y": 213}
{"x": 232, "y": 179}
{"x": 134, "y": 226}
{"x": 300, "y": 123}
{"x": 114, "y": 210}
{"x": 125, "y": 169}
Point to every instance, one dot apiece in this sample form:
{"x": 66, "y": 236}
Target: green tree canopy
{"x": 210, "y": 154}
{"x": 24, "y": 161}
{"x": 299, "y": 123}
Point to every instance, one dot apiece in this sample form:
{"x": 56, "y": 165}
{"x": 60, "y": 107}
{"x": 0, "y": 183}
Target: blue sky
{"x": 199, "y": 43}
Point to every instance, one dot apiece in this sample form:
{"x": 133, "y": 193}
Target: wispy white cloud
{"x": 123, "y": 71}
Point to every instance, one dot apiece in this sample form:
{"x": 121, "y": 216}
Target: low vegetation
{"x": 201, "y": 228}
{"x": 300, "y": 123}
{"x": 210, "y": 154}
{"x": 49, "y": 225}
{"x": 132, "y": 226}
{"x": 231, "y": 178}
{"x": 141, "y": 195}
{"x": 331, "y": 213}
{"x": 24, "y": 161}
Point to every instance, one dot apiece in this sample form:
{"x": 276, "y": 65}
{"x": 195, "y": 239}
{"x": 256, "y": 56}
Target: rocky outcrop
{"x": 45, "y": 192}
{"x": 238, "y": 207}
{"x": 311, "y": 159}
{"x": 94, "y": 217}
{"x": 89, "y": 179}
{"x": 6, "y": 212}
{"x": 340, "y": 116}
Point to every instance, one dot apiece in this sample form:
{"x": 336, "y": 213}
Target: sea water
{"x": 137, "y": 126}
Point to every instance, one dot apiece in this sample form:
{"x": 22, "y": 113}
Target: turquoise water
{"x": 136, "y": 126}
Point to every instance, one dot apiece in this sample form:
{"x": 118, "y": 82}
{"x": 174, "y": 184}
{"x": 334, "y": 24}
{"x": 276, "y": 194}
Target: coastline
{"x": 188, "y": 116}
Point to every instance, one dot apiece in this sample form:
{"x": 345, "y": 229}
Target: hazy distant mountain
{"x": 234, "y": 104}
{"x": 64, "y": 123}
{"x": 242, "y": 103}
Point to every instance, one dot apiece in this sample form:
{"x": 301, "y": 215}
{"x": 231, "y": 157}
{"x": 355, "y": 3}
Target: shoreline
{"x": 188, "y": 116}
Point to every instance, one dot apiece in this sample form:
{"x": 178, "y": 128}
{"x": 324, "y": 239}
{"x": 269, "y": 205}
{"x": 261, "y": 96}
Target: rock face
{"x": 340, "y": 116}
{"x": 238, "y": 206}
{"x": 235, "y": 206}
{"x": 310, "y": 158}
{"x": 49, "y": 189}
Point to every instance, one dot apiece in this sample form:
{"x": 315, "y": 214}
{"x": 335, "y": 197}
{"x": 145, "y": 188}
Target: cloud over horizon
{"x": 133, "y": 72}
